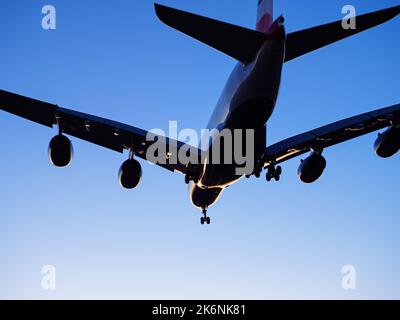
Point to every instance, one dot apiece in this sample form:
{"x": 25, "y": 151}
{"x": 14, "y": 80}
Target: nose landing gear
{"x": 205, "y": 219}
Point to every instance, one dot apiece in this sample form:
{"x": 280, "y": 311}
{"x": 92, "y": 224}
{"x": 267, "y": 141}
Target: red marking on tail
{"x": 264, "y": 15}
{"x": 264, "y": 24}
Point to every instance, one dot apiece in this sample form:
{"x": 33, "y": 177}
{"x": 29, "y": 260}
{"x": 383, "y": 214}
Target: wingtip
{"x": 159, "y": 8}
{"x": 393, "y": 11}
{"x": 162, "y": 12}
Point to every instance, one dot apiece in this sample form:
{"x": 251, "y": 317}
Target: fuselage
{"x": 247, "y": 102}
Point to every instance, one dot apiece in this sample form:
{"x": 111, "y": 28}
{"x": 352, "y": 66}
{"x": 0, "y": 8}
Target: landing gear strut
{"x": 274, "y": 172}
{"x": 205, "y": 219}
{"x": 257, "y": 172}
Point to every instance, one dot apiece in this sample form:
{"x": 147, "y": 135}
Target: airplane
{"x": 247, "y": 102}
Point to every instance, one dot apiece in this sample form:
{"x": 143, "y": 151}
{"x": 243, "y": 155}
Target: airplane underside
{"x": 247, "y": 102}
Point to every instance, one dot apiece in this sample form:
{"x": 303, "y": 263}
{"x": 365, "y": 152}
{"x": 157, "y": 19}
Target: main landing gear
{"x": 191, "y": 175}
{"x": 205, "y": 219}
{"x": 274, "y": 173}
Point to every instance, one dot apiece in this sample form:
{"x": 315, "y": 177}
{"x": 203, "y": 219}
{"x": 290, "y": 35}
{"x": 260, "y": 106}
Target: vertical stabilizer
{"x": 264, "y": 15}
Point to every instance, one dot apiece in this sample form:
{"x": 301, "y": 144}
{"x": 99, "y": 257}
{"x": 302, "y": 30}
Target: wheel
{"x": 257, "y": 175}
{"x": 187, "y": 179}
{"x": 278, "y": 173}
{"x": 208, "y": 220}
{"x": 268, "y": 177}
{"x": 202, "y": 220}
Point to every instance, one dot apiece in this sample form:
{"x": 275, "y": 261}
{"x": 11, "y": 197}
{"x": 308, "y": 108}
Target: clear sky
{"x": 267, "y": 240}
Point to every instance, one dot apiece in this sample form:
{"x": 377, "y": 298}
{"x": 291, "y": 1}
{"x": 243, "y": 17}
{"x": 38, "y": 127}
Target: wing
{"x": 103, "y": 132}
{"x": 331, "y": 134}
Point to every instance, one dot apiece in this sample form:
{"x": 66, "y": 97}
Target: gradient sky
{"x": 268, "y": 240}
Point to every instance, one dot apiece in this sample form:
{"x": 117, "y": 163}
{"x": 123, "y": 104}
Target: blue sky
{"x": 278, "y": 240}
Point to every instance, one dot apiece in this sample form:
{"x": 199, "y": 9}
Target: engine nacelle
{"x": 312, "y": 168}
{"x": 388, "y": 143}
{"x": 130, "y": 174}
{"x": 60, "y": 151}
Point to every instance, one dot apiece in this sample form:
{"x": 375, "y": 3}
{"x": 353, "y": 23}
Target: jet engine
{"x": 312, "y": 168}
{"x": 130, "y": 174}
{"x": 60, "y": 151}
{"x": 388, "y": 143}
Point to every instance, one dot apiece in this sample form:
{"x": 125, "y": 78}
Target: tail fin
{"x": 240, "y": 43}
{"x": 265, "y": 15}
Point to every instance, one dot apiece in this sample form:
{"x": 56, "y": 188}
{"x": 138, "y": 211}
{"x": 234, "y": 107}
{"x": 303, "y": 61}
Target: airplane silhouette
{"x": 247, "y": 103}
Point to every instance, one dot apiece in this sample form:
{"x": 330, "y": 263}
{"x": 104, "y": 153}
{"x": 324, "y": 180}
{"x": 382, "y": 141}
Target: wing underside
{"x": 332, "y": 134}
{"x": 103, "y": 132}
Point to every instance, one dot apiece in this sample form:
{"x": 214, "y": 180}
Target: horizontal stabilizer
{"x": 305, "y": 41}
{"x": 237, "y": 42}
